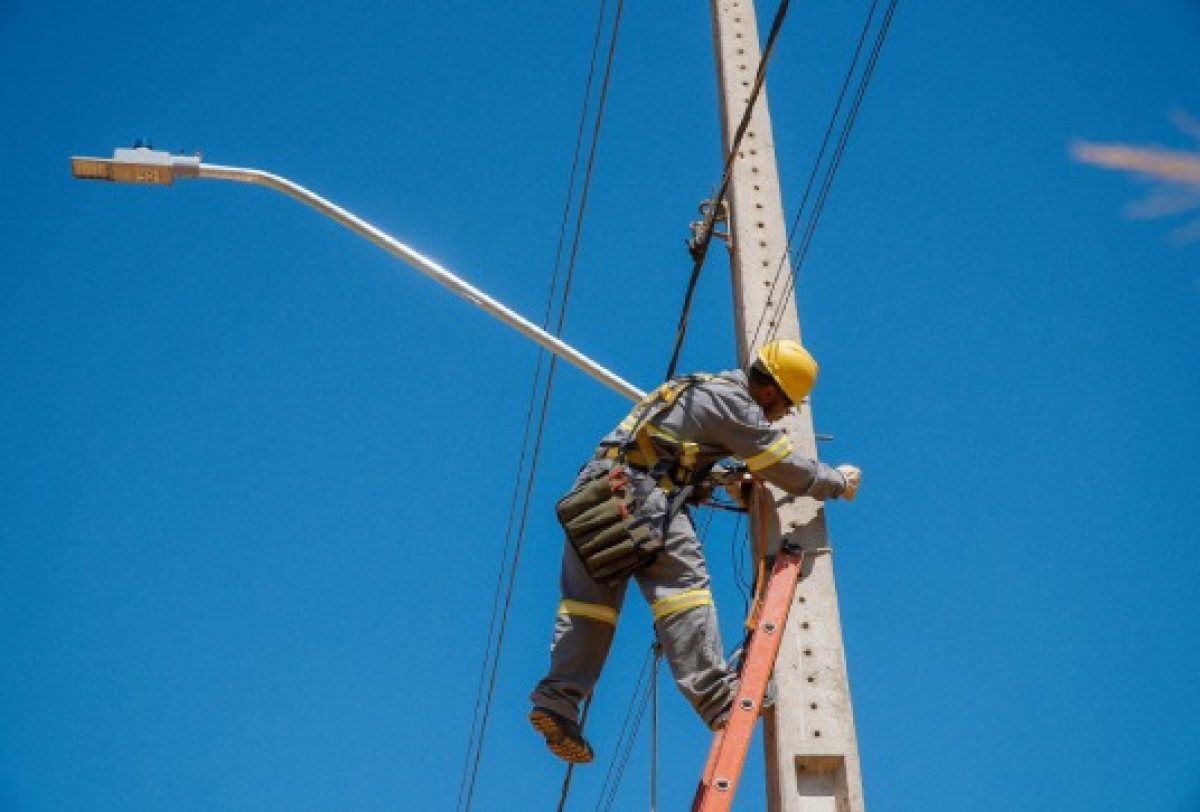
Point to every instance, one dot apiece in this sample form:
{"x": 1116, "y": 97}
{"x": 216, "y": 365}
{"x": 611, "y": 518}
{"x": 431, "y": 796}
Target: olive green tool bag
{"x": 598, "y": 518}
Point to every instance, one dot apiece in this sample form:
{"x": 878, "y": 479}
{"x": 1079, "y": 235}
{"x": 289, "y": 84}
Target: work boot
{"x": 564, "y": 737}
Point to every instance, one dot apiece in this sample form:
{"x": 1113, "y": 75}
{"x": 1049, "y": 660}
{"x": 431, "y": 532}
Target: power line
{"x": 507, "y": 573}
{"x": 831, "y": 169}
{"x": 819, "y": 161}
{"x": 566, "y": 784}
{"x": 640, "y": 697}
{"x": 705, "y": 236}
{"x": 851, "y": 118}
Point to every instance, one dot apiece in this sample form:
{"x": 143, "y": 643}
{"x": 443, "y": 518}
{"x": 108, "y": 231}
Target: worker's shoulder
{"x": 729, "y": 388}
{"x": 731, "y": 381}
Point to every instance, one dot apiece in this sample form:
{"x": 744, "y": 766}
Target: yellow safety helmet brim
{"x": 791, "y": 366}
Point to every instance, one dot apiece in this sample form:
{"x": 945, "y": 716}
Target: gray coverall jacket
{"x": 710, "y": 420}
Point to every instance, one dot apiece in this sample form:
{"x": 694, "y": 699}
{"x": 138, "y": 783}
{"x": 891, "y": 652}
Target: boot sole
{"x": 565, "y": 746}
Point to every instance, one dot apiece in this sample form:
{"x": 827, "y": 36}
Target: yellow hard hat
{"x": 791, "y": 366}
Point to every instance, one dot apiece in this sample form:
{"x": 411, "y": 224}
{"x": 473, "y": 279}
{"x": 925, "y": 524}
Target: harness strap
{"x": 640, "y": 453}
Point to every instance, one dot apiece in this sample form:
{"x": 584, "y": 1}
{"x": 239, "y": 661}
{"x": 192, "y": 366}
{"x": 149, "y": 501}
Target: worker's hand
{"x": 853, "y": 477}
{"x": 738, "y": 489}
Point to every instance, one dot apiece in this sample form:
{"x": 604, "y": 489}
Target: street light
{"x": 137, "y": 165}
{"x": 148, "y": 166}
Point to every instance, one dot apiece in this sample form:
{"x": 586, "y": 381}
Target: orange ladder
{"x": 720, "y": 778}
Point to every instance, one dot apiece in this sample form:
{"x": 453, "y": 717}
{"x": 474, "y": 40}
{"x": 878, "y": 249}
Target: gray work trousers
{"x": 675, "y": 584}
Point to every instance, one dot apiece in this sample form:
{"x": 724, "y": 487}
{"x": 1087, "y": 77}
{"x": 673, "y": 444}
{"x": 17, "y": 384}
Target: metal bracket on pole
{"x": 143, "y": 165}
{"x": 704, "y": 229}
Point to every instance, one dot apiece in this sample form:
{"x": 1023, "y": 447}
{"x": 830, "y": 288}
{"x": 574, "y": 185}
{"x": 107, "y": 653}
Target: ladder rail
{"x": 719, "y": 781}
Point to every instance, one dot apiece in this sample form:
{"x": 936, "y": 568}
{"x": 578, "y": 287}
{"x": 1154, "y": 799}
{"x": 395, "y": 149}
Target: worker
{"x": 626, "y": 518}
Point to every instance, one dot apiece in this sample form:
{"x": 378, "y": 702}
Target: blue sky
{"x": 258, "y": 472}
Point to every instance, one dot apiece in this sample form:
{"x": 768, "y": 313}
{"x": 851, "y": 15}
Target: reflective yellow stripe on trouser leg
{"x": 595, "y": 611}
{"x": 680, "y": 602}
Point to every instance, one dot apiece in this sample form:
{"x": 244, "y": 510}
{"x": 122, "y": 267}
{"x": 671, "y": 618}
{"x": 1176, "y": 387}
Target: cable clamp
{"x": 714, "y": 223}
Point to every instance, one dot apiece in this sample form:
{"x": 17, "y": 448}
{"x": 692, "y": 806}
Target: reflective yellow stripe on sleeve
{"x": 680, "y": 602}
{"x": 595, "y": 611}
{"x": 771, "y": 455}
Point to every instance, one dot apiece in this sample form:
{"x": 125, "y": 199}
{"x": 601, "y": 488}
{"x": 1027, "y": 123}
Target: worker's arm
{"x": 803, "y": 476}
{"x": 732, "y": 418}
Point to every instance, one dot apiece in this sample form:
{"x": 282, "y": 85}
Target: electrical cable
{"x": 705, "y": 237}
{"x": 490, "y": 665}
{"x": 802, "y": 252}
{"x": 817, "y": 164}
{"x": 738, "y": 548}
{"x": 835, "y": 162}
{"x": 574, "y": 251}
{"x": 565, "y": 790}
{"x": 654, "y": 728}
{"x": 629, "y": 730}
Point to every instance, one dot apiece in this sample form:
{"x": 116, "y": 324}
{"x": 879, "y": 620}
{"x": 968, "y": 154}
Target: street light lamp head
{"x": 137, "y": 165}
{"x": 91, "y": 169}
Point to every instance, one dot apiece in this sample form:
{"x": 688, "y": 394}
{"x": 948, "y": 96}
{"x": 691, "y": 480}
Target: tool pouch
{"x": 598, "y": 516}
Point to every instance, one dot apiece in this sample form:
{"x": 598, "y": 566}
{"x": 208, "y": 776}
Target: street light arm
{"x": 142, "y": 165}
{"x": 426, "y": 266}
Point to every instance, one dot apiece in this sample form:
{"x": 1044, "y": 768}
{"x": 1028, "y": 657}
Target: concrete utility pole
{"x": 811, "y": 750}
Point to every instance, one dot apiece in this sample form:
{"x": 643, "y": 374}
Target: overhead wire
{"x": 851, "y": 118}
{"x": 627, "y": 737}
{"x": 710, "y": 218}
{"x": 703, "y": 240}
{"x": 817, "y": 164}
{"x": 654, "y": 727}
{"x": 831, "y": 168}
{"x": 507, "y": 572}
{"x": 612, "y": 49}
{"x": 565, "y": 790}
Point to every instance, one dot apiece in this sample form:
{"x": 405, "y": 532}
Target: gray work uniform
{"x": 709, "y": 420}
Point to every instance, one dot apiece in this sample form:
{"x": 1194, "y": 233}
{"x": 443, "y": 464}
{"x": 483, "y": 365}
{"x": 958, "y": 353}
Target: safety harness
{"x": 600, "y": 514}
